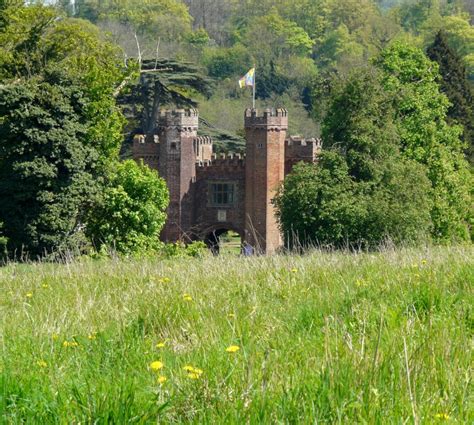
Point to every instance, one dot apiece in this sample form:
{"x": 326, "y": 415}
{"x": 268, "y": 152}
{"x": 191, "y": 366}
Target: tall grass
{"x": 323, "y": 338}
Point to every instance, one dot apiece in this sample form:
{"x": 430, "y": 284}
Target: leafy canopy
{"x": 411, "y": 80}
{"x": 131, "y": 213}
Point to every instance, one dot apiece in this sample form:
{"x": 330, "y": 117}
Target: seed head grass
{"x": 321, "y": 338}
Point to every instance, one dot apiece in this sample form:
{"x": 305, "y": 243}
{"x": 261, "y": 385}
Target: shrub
{"x": 131, "y": 212}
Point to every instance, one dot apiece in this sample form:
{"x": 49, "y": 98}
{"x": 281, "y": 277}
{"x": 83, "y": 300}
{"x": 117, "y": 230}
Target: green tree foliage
{"x": 455, "y": 86}
{"x": 161, "y": 82}
{"x": 362, "y": 191}
{"x": 411, "y": 80}
{"x": 227, "y": 62}
{"x": 60, "y": 127}
{"x": 131, "y": 213}
{"x": 37, "y": 42}
{"x": 46, "y": 171}
{"x": 3, "y": 240}
{"x": 155, "y": 18}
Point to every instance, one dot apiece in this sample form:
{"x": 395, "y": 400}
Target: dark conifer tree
{"x": 456, "y": 87}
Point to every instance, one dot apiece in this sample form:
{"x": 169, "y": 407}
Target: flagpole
{"x": 254, "y": 83}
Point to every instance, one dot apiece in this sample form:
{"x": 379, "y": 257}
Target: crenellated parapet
{"x": 202, "y": 146}
{"x": 223, "y": 161}
{"x": 146, "y": 148}
{"x": 269, "y": 119}
{"x": 300, "y": 149}
{"x": 183, "y": 120}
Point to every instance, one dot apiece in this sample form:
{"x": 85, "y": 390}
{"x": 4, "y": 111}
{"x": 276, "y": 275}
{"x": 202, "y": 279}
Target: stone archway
{"x": 213, "y": 237}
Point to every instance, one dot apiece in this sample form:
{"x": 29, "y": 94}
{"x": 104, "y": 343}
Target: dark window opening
{"x": 222, "y": 193}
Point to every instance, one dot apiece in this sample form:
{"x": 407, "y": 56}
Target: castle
{"x": 211, "y": 194}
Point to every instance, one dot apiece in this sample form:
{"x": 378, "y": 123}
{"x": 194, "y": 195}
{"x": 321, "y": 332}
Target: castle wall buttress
{"x": 264, "y": 171}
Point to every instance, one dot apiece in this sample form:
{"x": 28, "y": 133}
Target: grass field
{"x": 322, "y": 338}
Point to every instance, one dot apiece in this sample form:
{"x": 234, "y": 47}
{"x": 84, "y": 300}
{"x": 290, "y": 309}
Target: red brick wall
{"x": 264, "y": 171}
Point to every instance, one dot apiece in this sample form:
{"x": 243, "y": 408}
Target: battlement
{"x": 202, "y": 140}
{"x": 202, "y": 146}
{"x": 276, "y": 119}
{"x": 223, "y": 161}
{"x": 298, "y": 141}
{"x": 182, "y": 118}
{"x": 141, "y": 139}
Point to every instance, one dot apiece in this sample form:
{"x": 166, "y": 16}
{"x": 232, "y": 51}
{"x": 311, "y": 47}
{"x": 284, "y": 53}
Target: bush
{"x": 363, "y": 190}
{"x": 131, "y": 212}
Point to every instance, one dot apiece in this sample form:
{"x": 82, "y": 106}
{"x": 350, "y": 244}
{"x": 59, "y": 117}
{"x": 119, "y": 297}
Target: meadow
{"x": 322, "y": 338}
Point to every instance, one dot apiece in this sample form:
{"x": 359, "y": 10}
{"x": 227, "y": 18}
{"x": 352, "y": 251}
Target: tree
{"x": 60, "y": 128}
{"x": 362, "y": 191}
{"x": 456, "y": 87}
{"x": 46, "y": 170}
{"x": 131, "y": 213}
{"x": 161, "y": 82}
{"x": 411, "y": 80}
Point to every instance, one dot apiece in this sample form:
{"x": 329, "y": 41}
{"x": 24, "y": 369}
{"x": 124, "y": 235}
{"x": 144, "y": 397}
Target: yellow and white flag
{"x": 248, "y": 80}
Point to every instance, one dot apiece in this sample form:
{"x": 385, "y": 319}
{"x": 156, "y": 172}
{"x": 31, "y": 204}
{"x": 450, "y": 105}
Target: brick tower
{"x": 177, "y": 158}
{"x": 264, "y": 171}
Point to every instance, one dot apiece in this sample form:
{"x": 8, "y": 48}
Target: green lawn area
{"x": 322, "y": 338}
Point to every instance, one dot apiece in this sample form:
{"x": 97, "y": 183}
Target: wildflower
{"x": 231, "y": 315}
{"x": 162, "y": 379}
{"x": 160, "y": 344}
{"x": 423, "y": 261}
{"x": 156, "y": 365}
{"x": 166, "y": 279}
{"x": 92, "y": 336}
{"x": 194, "y": 375}
{"x": 193, "y": 372}
{"x": 187, "y": 297}
{"x": 442, "y": 415}
{"x": 232, "y": 349}
{"x": 294, "y": 270}
{"x": 29, "y": 294}
{"x": 45, "y": 285}
{"x": 42, "y": 363}
{"x": 70, "y": 344}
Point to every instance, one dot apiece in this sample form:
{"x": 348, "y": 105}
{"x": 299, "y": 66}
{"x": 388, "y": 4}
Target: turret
{"x": 264, "y": 171}
{"x": 177, "y": 131}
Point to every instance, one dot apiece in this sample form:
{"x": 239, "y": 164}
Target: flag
{"x": 248, "y": 80}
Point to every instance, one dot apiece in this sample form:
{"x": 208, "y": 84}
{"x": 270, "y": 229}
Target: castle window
{"x": 221, "y": 193}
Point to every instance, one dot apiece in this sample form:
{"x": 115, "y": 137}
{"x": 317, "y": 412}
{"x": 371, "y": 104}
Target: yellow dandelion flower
{"x": 232, "y": 349}
{"x": 42, "y": 363}
{"x": 161, "y": 344}
{"x": 187, "y": 297}
{"x": 156, "y": 365}
{"x": 194, "y": 375}
{"x": 294, "y": 270}
{"x": 70, "y": 344}
{"x": 423, "y": 261}
{"x": 442, "y": 415}
{"x": 29, "y": 294}
{"x": 92, "y": 336}
{"x": 188, "y": 368}
{"x": 198, "y": 371}
{"x": 162, "y": 379}
{"x": 45, "y": 285}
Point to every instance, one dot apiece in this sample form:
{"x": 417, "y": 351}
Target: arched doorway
{"x": 224, "y": 241}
